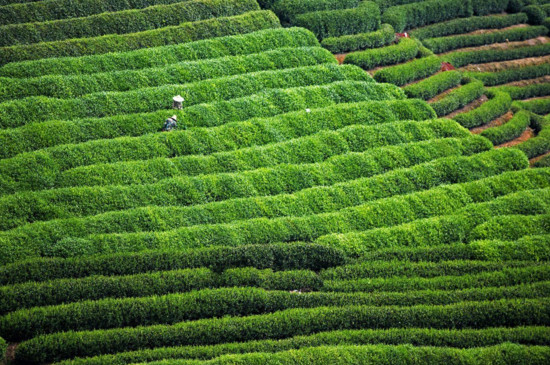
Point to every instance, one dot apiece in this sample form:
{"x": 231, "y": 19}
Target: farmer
{"x": 170, "y": 124}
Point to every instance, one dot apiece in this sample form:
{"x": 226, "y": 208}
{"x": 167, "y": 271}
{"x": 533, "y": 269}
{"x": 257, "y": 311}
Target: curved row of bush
{"x": 121, "y": 22}
{"x": 465, "y": 25}
{"x": 13, "y": 12}
{"x": 355, "y": 42}
{"x": 408, "y": 72}
{"x": 433, "y": 85}
{"x": 62, "y": 291}
{"x": 506, "y": 277}
{"x": 268, "y": 103}
{"x": 405, "y": 50}
{"x": 526, "y": 92}
{"x": 208, "y": 303}
{"x": 498, "y": 104}
{"x": 540, "y": 144}
{"x": 287, "y": 10}
{"x": 508, "y": 131}
{"x": 526, "y": 248}
{"x": 403, "y": 17}
{"x": 283, "y": 324}
{"x": 464, "y": 338}
{"x": 16, "y": 113}
{"x": 458, "y": 98}
{"x": 464, "y": 58}
{"x": 445, "y": 44}
{"x": 259, "y": 131}
{"x": 186, "y": 32}
{"x": 73, "y": 86}
{"x": 311, "y": 149}
{"x": 537, "y": 106}
{"x": 543, "y": 162}
{"x": 294, "y": 256}
{"x": 334, "y": 23}
{"x": 49, "y": 204}
{"x": 233, "y": 45}
{"x": 282, "y": 229}
{"x": 363, "y": 190}
{"x": 512, "y": 74}
{"x": 511, "y": 227}
{"x": 444, "y": 229}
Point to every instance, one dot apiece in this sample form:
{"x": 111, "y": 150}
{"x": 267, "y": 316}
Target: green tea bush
{"x": 458, "y": 98}
{"x": 282, "y": 324}
{"x": 234, "y": 45}
{"x": 415, "y": 15}
{"x": 433, "y": 85}
{"x": 180, "y": 73}
{"x": 526, "y": 92}
{"x": 39, "y": 11}
{"x": 3, "y": 349}
{"x": 334, "y": 23}
{"x": 512, "y": 74}
{"x": 25, "y": 111}
{"x": 294, "y": 256}
{"x": 355, "y": 42}
{"x": 543, "y": 162}
{"x": 268, "y": 103}
{"x": 186, "y": 32}
{"x": 405, "y": 50}
{"x": 121, "y": 22}
{"x": 71, "y": 202}
{"x": 489, "y": 6}
{"x": 414, "y": 70}
{"x": 465, "y": 25}
{"x": 537, "y": 106}
{"x": 535, "y": 14}
{"x": 508, "y": 131}
{"x": 465, "y": 338}
{"x": 445, "y": 44}
{"x": 511, "y": 227}
{"x": 464, "y": 58}
{"x": 538, "y": 145}
{"x": 498, "y": 104}
{"x": 287, "y": 10}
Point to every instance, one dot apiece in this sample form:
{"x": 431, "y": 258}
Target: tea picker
{"x": 171, "y": 123}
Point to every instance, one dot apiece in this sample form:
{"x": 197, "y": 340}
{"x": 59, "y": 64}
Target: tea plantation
{"x": 349, "y": 182}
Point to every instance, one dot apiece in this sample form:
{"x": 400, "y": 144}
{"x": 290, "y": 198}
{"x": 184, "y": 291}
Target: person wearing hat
{"x": 170, "y": 124}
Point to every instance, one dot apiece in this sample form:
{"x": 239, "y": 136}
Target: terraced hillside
{"x": 304, "y": 211}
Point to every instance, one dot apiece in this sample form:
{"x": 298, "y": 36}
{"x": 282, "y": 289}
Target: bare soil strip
{"x": 443, "y": 94}
{"x": 538, "y": 80}
{"x": 528, "y": 133}
{"x": 486, "y": 31}
{"x": 504, "y": 46}
{"x": 503, "y": 119}
{"x": 538, "y": 158}
{"x": 506, "y": 65}
{"x": 474, "y": 104}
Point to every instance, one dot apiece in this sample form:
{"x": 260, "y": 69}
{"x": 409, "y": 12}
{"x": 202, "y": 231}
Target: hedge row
{"x": 59, "y": 86}
{"x": 512, "y": 227}
{"x": 506, "y": 277}
{"x": 465, "y": 338}
{"x": 234, "y": 45}
{"x": 283, "y": 324}
{"x": 287, "y": 10}
{"x": 283, "y": 229}
{"x": 433, "y": 85}
{"x": 405, "y": 50}
{"x": 183, "y": 191}
{"x": 173, "y": 308}
{"x": 458, "y": 98}
{"x": 445, "y": 44}
{"x": 465, "y": 25}
{"x": 186, "y": 32}
{"x": 450, "y": 229}
{"x": 415, "y": 15}
{"x": 121, "y": 22}
{"x": 268, "y": 103}
{"x": 535, "y": 13}
{"x": 537, "y": 106}
{"x": 311, "y": 149}
{"x": 237, "y": 135}
{"x": 335, "y": 23}
{"x": 526, "y": 248}
{"x": 408, "y": 72}
{"x": 540, "y": 144}
{"x": 60, "y": 9}
{"x": 526, "y": 92}
{"x": 543, "y": 162}
{"x": 509, "y": 131}
{"x": 490, "y": 6}
{"x": 498, "y": 104}
{"x": 302, "y": 203}
{"x": 36, "y": 109}
{"x": 512, "y": 74}
{"x": 460, "y": 59}
{"x": 294, "y": 256}
{"x": 355, "y": 42}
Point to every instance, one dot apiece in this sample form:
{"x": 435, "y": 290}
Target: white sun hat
{"x": 178, "y": 99}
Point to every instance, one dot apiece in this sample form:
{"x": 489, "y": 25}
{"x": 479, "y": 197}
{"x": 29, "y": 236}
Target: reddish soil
{"x": 494, "y": 123}
{"x": 505, "y": 65}
{"x": 528, "y": 133}
{"x": 505, "y": 45}
{"x": 474, "y": 104}
{"x": 535, "y": 159}
{"x": 340, "y": 57}
{"x": 539, "y": 80}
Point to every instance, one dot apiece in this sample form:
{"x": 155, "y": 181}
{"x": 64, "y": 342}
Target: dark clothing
{"x": 169, "y": 125}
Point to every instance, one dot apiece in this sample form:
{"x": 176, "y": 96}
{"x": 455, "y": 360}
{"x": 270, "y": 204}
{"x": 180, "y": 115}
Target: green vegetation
{"x": 405, "y": 50}
{"x": 410, "y": 71}
{"x": 355, "y": 42}
{"x": 433, "y": 85}
{"x": 498, "y": 104}
{"x": 511, "y": 74}
{"x": 508, "y": 131}
{"x": 458, "y": 98}
{"x": 464, "y": 58}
